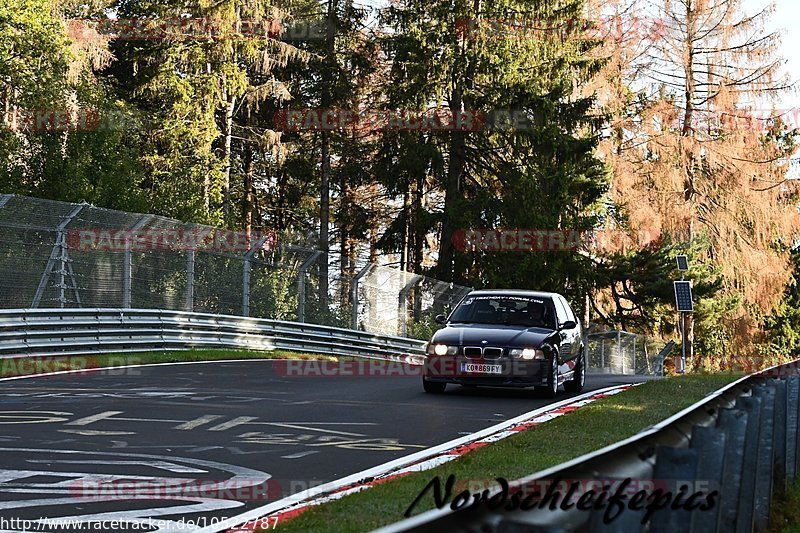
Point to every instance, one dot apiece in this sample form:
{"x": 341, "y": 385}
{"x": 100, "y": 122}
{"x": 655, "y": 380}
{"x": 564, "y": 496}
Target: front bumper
{"x": 514, "y": 372}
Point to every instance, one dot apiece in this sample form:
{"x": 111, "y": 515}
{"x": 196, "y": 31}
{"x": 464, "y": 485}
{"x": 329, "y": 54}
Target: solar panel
{"x": 683, "y": 296}
{"x": 683, "y": 262}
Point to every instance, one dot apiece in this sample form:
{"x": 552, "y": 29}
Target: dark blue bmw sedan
{"x": 505, "y": 338}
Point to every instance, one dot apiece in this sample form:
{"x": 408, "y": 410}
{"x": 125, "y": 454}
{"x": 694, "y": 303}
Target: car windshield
{"x": 506, "y": 310}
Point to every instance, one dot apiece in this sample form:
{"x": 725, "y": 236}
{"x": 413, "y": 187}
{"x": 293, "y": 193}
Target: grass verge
{"x": 26, "y": 366}
{"x": 785, "y": 510}
{"x": 599, "y": 424}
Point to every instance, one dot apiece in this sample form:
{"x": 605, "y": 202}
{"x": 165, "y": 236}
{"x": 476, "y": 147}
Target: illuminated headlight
{"x": 528, "y": 354}
{"x": 442, "y": 349}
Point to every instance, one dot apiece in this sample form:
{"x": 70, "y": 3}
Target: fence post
{"x": 126, "y": 277}
{"x": 60, "y": 254}
{"x": 189, "y": 280}
{"x": 402, "y": 304}
{"x": 246, "y": 274}
{"x": 127, "y": 263}
{"x": 301, "y": 285}
{"x": 354, "y": 294}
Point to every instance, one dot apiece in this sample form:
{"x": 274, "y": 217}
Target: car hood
{"x": 495, "y": 335}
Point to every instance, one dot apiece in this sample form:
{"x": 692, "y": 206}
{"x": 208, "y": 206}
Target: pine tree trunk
{"x": 227, "y": 157}
{"x": 324, "y": 221}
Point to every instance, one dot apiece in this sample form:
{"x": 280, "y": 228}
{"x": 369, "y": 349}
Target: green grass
{"x": 785, "y": 511}
{"x": 599, "y": 424}
{"x": 43, "y": 365}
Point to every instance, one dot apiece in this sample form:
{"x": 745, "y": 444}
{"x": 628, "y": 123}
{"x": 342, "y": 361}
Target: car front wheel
{"x": 551, "y": 390}
{"x": 579, "y": 377}
{"x": 433, "y": 387}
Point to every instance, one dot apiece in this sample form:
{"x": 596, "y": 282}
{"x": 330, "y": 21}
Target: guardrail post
{"x": 189, "y": 306}
{"x": 779, "y": 440}
{"x": 792, "y": 405}
{"x": 301, "y": 285}
{"x": 709, "y": 443}
{"x": 354, "y": 294}
{"x": 673, "y": 465}
{"x": 734, "y": 423}
{"x": 765, "y": 464}
{"x": 747, "y": 495}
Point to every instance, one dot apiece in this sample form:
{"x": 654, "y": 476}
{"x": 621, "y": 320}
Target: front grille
{"x": 488, "y": 353}
{"x": 493, "y": 353}
{"x": 473, "y": 351}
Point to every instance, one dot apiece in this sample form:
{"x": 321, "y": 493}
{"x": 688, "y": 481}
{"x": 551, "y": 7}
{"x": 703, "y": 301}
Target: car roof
{"x": 512, "y": 292}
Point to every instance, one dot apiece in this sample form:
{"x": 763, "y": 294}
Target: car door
{"x": 570, "y": 338}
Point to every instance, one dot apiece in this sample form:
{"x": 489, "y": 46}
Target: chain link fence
{"x": 59, "y": 254}
{"x": 622, "y": 352}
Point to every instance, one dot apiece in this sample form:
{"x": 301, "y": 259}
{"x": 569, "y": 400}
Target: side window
{"x": 570, "y": 314}
{"x": 561, "y": 310}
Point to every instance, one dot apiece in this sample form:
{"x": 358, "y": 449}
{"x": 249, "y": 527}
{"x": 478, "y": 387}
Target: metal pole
{"x": 126, "y": 278}
{"x": 246, "y": 287}
{"x": 301, "y": 285}
{"x": 354, "y": 294}
{"x": 246, "y": 270}
{"x": 190, "y": 280}
{"x": 683, "y": 343}
{"x": 402, "y": 304}
{"x": 127, "y": 263}
{"x": 602, "y": 352}
{"x": 63, "y": 257}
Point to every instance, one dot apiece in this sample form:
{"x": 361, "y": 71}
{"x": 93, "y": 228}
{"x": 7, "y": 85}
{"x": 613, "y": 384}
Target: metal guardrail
{"x": 34, "y": 332}
{"x": 742, "y": 441}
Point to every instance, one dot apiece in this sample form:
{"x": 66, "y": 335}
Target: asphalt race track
{"x": 195, "y": 441}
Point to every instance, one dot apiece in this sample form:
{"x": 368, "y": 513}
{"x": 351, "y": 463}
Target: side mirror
{"x": 440, "y": 319}
{"x": 569, "y": 324}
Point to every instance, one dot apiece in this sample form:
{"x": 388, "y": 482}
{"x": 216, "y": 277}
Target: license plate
{"x": 475, "y": 368}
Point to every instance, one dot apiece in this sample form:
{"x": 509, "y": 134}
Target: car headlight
{"x": 528, "y": 354}
{"x": 442, "y": 349}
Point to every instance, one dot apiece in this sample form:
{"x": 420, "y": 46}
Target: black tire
{"x": 579, "y": 377}
{"x": 551, "y": 391}
{"x": 433, "y": 387}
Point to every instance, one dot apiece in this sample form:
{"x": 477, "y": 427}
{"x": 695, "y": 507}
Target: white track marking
{"x": 95, "y": 433}
{"x": 307, "y": 428}
{"x": 306, "y": 496}
{"x": 94, "y": 418}
{"x": 242, "y": 476}
{"x": 238, "y": 421}
{"x": 299, "y": 455}
{"x": 197, "y": 422}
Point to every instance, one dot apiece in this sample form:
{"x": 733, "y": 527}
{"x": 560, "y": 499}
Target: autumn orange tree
{"x": 688, "y": 157}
